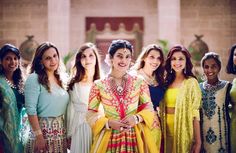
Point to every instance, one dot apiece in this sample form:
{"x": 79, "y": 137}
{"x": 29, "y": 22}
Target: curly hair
{"x": 39, "y": 69}
{"x": 80, "y": 71}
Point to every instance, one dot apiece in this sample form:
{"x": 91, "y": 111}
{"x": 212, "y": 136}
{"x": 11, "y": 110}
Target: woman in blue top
{"x": 11, "y": 100}
{"x": 150, "y": 66}
{"x": 46, "y": 100}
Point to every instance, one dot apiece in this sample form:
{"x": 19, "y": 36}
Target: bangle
{"x": 107, "y": 125}
{"x": 37, "y": 132}
{"x": 140, "y": 119}
{"x": 136, "y": 119}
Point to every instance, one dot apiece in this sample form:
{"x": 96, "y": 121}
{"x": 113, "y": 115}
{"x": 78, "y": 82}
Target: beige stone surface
{"x": 215, "y": 19}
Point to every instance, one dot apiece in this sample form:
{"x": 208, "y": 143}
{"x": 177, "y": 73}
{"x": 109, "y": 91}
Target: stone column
{"x": 169, "y": 20}
{"x": 59, "y": 24}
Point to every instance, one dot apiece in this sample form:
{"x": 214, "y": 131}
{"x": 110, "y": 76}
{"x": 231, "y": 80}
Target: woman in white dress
{"x": 87, "y": 69}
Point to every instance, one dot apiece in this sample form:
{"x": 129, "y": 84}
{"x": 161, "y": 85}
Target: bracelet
{"x": 140, "y": 119}
{"x": 107, "y": 126}
{"x": 37, "y": 132}
{"x": 136, "y": 119}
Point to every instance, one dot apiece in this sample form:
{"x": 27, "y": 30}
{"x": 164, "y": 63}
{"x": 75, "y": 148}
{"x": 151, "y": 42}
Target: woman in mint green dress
{"x": 12, "y": 100}
{"x": 231, "y": 69}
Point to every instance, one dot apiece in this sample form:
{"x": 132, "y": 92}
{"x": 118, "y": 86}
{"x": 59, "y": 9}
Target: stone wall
{"x": 19, "y": 18}
{"x": 111, "y": 8}
{"x": 216, "y": 20}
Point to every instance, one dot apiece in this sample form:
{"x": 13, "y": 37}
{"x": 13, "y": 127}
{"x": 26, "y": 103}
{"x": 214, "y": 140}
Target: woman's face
{"x": 178, "y": 62}
{"x": 211, "y": 69}
{"x": 10, "y": 62}
{"x": 121, "y": 60}
{"x": 50, "y": 60}
{"x": 153, "y": 60}
{"x": 88, "y": 59}
{"x": 234, "y": 57}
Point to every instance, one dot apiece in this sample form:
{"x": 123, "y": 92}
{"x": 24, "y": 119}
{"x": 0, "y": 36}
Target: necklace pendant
{"x": 119, "y": 89}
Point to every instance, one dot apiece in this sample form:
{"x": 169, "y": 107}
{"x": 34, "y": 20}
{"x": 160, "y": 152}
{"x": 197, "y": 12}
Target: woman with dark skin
{"x": 215, "y": 119}
{"x": 11, "y": 99}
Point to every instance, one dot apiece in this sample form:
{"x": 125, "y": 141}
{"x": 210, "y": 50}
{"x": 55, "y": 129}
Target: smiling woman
{"x": 215, "y": 120}
{"x": 125, "y": 125}
{"x": 87, "y": 69}
{"x": 12, "y": 99}
{"x": 46, "y": 101}
{"x": 180, "y": 108}
{"x": 150, "y": 66}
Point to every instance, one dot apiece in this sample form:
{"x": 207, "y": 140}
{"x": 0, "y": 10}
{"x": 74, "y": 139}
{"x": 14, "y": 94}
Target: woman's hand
{"x": 156, "y": 122}
{"x": 68, "y": 142}
{"x": 196, "y": 148}
{"x": 117, "y": 125}
{"x": 129, "y": 120}
{"x": 40, "y": 144}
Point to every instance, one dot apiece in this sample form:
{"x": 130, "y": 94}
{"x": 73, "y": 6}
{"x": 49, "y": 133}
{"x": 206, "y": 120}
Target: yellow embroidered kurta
{"x": 186, "y": 109}
{"x": 136, "y": 100}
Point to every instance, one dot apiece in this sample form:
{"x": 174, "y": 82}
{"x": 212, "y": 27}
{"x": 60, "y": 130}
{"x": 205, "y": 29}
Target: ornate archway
{"x": 102, "y": 30}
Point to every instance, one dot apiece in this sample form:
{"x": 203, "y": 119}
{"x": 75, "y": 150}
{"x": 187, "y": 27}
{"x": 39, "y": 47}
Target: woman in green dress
{"x": 12, "y": 100}
{"x": 231, "y": 69}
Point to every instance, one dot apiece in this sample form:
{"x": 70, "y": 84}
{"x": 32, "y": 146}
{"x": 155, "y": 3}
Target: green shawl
{"x": 9, "y": 119}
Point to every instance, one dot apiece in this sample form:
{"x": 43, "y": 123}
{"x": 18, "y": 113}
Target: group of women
{"x": 154, "y": 106}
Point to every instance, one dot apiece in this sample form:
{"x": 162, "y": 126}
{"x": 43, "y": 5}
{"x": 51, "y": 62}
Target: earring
{"x": 171, "y": 70}
{"x": 41, "y": 66}
{"x": 234, "y": 67}
{"x": 203, "y": 77}
{"x": 185, "y": 71}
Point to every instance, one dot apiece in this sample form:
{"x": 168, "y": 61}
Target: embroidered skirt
{"x": 122, "y": 142}
{"x": 54, "y": 133}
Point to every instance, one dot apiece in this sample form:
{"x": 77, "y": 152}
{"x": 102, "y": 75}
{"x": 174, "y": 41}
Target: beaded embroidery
{"x": 119, "y": 89}
{"x": 20, "y": 89}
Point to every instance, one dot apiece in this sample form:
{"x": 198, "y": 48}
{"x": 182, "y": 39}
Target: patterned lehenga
{"x": 134, "y": 99}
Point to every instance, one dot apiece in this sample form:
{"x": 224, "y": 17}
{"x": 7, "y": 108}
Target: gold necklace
{"x": 150, "y": 79}
{"x": 118, "y": 88}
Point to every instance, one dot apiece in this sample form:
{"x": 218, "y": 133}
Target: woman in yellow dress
{"x": 127, "y": 121}
{"x": 231, "y": 69}
{"x": 180, "y": 109}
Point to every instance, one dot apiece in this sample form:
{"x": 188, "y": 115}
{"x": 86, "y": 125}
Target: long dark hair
{"x": 231, "y": 68}
{"x": 39, "y": 69}
{"x": 79, "y": 69}
{"x": 17, "y": 77}
{"x": 170, "y": 76}
{"x": 159, "y": 72}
